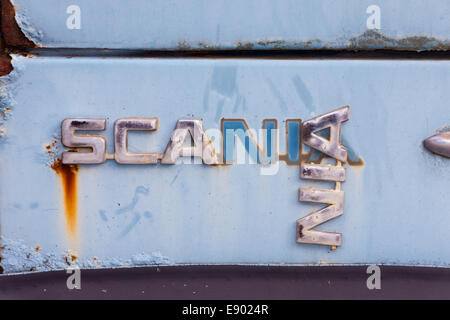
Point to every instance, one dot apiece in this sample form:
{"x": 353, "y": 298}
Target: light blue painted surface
{"x": 229, "y": 24}
{"x": 396, "y": 206}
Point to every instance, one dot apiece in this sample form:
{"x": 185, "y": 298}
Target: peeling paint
{"x": 18, "y": 257}
{"x": 8, "y": 75}
{"x": 183, "y": 45}
{"x": 149, "y": 259}
{"x": 28, "y": 29}
{"x": 279, "y": 44}
{"x": 369, "y": 40}
{"x": 13, "y": 34}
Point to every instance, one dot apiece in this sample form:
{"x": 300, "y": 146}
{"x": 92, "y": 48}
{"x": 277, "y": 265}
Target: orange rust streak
{"x": 358, "y": 163}
{"x": 68, "y": 175}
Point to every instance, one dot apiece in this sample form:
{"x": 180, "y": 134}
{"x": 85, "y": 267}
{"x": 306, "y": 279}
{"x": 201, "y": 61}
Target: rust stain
{"x": 356, "y": 163}
{"x": 5, "y": 65}
{"x": 51, "y": 148}
{"x": 11, "y": 32}
{"x": 37, "y": 248}
{"x": 307, "y": 157}
{"x": 68, "y": 175}
{"x": 70, "y": 258}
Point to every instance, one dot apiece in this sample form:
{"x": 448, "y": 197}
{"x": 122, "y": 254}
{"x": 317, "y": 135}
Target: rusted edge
{"x": 12, "y": 35}
{"x": 5, "y": 64}
{"x": 7, "y": 13}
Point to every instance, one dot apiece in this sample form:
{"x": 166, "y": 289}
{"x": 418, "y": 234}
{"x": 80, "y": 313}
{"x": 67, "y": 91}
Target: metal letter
{"x": 322, "y": 172}
{"x": 73, "y": 281}
{"x": 335, "y": 199}
{"x": 374, "y": 281}
{"x": 202, "y": 144}
{"x": 121, "y": 153}
{"x": 93, "y": 141}
{"x": 332, "y": 120}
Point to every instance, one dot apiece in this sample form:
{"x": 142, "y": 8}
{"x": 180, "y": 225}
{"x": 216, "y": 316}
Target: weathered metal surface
{"x": 106, "y": 215}
{"x": 229, "y": 24}
{"x": 12, "y": 34}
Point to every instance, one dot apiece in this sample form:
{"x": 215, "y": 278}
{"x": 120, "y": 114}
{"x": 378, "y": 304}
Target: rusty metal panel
{"x": 227, "y": 24}
{"x": 116, "y": 213}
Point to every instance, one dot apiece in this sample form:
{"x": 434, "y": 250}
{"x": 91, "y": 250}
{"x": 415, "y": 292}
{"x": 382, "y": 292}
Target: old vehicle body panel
{"x": 244, "y": 25}
{"x": 396, "y": 208}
